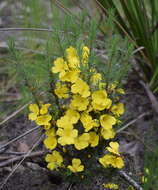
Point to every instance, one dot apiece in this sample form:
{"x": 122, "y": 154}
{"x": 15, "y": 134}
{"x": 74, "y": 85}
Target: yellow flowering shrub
{"x": 82, "y": 118}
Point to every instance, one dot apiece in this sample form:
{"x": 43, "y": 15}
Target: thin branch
{"x": 19, "y": 137}
{"x": 132, "y": 121}
{"x": 130, "y": 180}
{"x": 23, "y": 158}
{"x": 17, "y": 158}
{"x": 14, "y": 114}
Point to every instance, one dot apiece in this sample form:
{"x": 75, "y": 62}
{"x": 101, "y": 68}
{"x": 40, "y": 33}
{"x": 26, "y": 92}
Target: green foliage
{"x": 137, "y": 19}
{"x": 150, "y": 171}
{"x": 32, "y": 65}
{"x": 118, "y": 52}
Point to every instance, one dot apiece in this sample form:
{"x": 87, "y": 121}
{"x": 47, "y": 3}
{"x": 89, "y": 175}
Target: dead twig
{"x": 14, "y": 114}
{"x": 131, "y": 181}
{"x": 19, "y": 137}
{"x": 17, "y": 158}
{"x": 132, "y": 121}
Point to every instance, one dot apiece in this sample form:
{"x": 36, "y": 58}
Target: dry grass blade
{"x": 24, "y": 157}
{"x": 65, "y": 9}
{"x": 62, "y": 7}
{"x": 27, "y": 29}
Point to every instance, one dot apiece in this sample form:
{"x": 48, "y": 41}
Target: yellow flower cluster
{"x": 40, "y": 115}
{"x": 111, "y": 186}
{"x": 113, "y": 158}
{"x": 87, "y": 115}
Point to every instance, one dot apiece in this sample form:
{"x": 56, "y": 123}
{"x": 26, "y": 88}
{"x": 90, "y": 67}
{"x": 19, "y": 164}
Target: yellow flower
{"x": 44, "y": 108}
{"x": 107, "y": 121}
{"x": 61, "y": 90}
{"x": 112, "y": 86}
{"x": 106, "y": 160}
{"x": 85, "y": 54}
{"x": 70, "y": 76}
{"x": 118, "y": 109}
{"x": 72, "y": 57}
{"x": 114, "y": 148}
{"x": 111, "y": 186}
{"x": 64, "y": 122}
{"x": 95, "y": 78}
{"x": 111, "y": 160}
{"x": 67, "y": 136}
{"x": 50, "y": 142}
{"x": 94, "y": 139}
{"x": 144, "y": 179}
{"x": 100, "y": 100}
{"x": 99, "y": 95}
{"x": 118, "y": 162}
{"x": 34, "y": 108}
{"x": 87, "y": 121}
{"x": 120, "y": 91}
{"x": 54, "y": 160}
{"x": 43, "y": 119}
{"x": 71, "y": 52}
{"x": 108, "y": 133}
{"x": 47, "y": 127}
{"x": 147, "y": 171}
{"x": 89, "y": 108}
{"x": 35, "y": 112}
{"x": 73, "y": 62}
{"x": 81, "y": 88}
{"x": 73, "y": 116}
{"x": 102, "y": 85}
{"x": 82, "y": 141}
{"x": 50, "y": 132}
{"x": 76, "y": 165}
{"x": 59, "y": 66}
{"x": 79, "y": 103}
